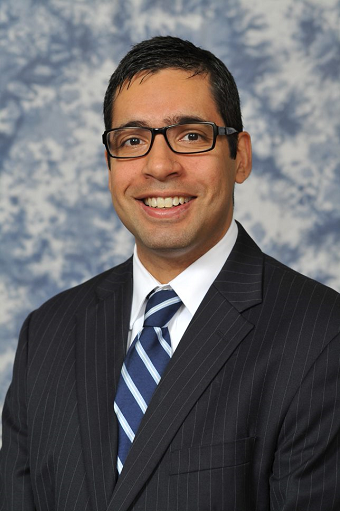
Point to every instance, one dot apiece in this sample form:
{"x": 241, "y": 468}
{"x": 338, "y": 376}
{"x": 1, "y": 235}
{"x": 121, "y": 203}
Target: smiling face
{"x": 177, "y": 206}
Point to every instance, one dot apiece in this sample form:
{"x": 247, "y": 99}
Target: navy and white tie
{"x": 143, "y": 367}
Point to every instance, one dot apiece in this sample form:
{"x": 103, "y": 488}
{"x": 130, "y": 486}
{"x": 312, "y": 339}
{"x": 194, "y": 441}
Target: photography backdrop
{"x": 57, "y": 224}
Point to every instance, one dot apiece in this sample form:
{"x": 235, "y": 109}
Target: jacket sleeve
{"x": 306, "y": 470}
{"x": 15, "y": 482}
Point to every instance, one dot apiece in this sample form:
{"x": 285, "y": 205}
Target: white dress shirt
{"x": 191, "y": 286}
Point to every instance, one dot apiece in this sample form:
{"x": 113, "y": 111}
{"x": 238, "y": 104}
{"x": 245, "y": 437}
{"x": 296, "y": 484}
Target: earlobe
{"x": 243, "y": 157}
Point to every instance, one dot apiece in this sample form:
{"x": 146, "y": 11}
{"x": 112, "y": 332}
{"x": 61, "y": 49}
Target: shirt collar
{"x": 192, "y": 284}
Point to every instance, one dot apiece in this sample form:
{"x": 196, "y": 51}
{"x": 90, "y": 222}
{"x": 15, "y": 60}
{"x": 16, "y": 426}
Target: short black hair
{"x": 164, "y": 52}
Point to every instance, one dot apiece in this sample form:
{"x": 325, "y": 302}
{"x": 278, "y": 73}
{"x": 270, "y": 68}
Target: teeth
{"x": 160, "y": 202}
{"x": 167, "y": 202}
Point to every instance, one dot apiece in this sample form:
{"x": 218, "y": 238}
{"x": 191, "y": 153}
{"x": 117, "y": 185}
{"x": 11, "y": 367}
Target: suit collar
{"x": 120, "y": 276}
{"x": 240, "y": 280}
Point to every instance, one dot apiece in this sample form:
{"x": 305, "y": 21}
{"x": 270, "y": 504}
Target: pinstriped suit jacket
{"x": 246, "y": 416}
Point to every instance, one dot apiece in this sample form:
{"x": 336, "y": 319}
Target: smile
{"x": 165, "y": 202}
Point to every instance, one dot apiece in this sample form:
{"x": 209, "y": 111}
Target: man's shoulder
{"x": 76, "y": 299}
{"x": 284, "y": 288}
{"x": 278, "y": 271}
{"x": 307, "y": 306}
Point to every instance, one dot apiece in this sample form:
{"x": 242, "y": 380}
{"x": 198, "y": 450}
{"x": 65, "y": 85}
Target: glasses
{"x": 190, "y": 138}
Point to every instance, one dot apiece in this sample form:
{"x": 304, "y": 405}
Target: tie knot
{"x": 160, "y": 308}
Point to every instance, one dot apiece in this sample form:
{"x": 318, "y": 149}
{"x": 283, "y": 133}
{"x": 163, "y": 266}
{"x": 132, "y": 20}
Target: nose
{"x": 161, "y": 162}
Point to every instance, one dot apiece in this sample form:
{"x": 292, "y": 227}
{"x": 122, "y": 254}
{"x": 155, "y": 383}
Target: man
{"x": 243, "y": 414}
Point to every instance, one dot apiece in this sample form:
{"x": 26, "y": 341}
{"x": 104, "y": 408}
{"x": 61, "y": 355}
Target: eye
{"x": 132, "y": 141}
{"x": 191, "y": 137}
{"x": 127, "y": 138}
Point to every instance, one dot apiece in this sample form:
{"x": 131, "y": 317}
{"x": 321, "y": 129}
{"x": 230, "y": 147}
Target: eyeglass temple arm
{"x": 226, "y": 131}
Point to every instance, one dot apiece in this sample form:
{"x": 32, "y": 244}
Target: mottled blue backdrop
{"x": 56, "y": 219}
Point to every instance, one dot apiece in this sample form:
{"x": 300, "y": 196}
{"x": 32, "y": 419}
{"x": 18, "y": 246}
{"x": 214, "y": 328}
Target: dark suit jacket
{"x": 246, "y": 416}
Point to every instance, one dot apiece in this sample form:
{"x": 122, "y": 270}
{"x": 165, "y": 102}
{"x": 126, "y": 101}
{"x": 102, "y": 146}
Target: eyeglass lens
{"x": 182, "y": 138}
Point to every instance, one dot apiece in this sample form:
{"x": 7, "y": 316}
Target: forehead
{"x": 166, "y": 94}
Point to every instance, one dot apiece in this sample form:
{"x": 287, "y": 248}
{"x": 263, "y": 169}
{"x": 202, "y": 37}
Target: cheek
{"x": 115, "y": 187}
{"x": 117, "y": 182}
{"x": 219, "y": 184}
{"x": 124, "y": 175}
{"x": 215, "y": 171}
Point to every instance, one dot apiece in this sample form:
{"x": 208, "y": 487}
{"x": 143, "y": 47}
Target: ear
{"x": 243, "y": 157}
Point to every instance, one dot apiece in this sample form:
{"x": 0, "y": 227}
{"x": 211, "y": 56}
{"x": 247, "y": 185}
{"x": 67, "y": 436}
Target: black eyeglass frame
{"x": 217, "y": 130}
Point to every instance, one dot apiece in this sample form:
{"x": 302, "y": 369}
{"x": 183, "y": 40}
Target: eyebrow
{"x": 169, "y": 121}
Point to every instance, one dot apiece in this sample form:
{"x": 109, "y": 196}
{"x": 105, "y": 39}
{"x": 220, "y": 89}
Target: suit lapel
{"x": 212, "y": 336}
{"x": 101, "y": 340}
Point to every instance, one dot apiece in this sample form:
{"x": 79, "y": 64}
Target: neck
{"x": 165, "y": 264}
{"x": 165, "y": 268}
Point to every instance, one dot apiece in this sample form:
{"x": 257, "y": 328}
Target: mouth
{"x": 166, "y": 202}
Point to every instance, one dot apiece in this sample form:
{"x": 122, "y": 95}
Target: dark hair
{"x": 166, "y": 52}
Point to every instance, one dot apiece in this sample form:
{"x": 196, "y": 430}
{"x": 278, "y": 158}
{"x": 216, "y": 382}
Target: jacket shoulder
{"x": 273, "y": 265}
{"x": 301, "y": 295}
{"x": 76, "y": 299}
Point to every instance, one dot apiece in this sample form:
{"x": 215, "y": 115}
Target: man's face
{"x": 205, "y": 181}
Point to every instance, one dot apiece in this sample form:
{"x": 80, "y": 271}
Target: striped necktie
{"x": 143, "y": 367}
